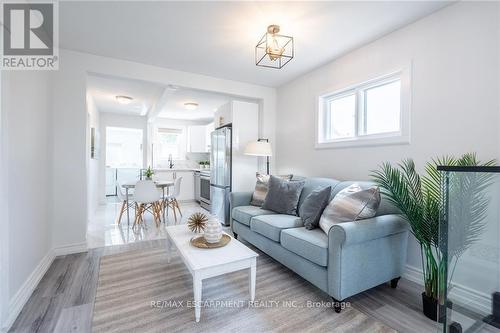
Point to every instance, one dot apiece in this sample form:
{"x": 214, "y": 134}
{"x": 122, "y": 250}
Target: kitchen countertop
{"x": 179, "y": 169}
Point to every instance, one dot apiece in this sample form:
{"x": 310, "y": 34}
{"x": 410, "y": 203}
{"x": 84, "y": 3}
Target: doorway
{"x": 124, "y": 156}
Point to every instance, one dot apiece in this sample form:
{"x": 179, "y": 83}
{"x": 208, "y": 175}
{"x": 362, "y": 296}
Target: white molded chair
{"x": 147, "y": 198}
{"x": 171, "y": 199}
{"x": 120, "y": 193}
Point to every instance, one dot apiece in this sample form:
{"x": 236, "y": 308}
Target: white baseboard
{"x": 70, "y": 249}
{"x": 464, "y": 295}
{"x": 414, "y": 275}
{"x": 19, "y": 300}
{"x": 187, "y": 201}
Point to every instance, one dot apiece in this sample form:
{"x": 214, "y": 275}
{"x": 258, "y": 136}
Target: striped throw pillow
{"x": 351, "y": 204}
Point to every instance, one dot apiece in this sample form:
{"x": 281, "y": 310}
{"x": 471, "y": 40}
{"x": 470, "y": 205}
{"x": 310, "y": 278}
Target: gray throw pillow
{"x": 351, "y": 204}
{"x": 283, "y": 195}
{"x": 311, "y": 209}
{"x": 260, "y": 192}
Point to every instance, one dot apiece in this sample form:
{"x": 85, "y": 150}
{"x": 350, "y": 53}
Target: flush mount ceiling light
{"x": 124, "y": 99}
{"x": 191, "y": 106}
{"x": 273, "y": 50}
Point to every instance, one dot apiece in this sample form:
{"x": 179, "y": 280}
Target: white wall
{"x": 25, "y": 153}
{"x": 69, "y": 154}
{"x": 93, "y": 164}
{"x": 4, "y": 223}
{"x": 69, "y": 204}
{"x": 455, "y": 96}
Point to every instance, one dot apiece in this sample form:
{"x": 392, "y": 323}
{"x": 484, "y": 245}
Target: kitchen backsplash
{"x": 191, "y": 161}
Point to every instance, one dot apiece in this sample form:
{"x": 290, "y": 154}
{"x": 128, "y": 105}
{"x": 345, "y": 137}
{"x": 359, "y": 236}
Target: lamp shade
{"x": 259, "y": 148}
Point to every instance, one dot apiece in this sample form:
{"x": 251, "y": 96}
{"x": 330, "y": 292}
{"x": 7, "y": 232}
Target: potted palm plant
{"x": 419, "y": 198}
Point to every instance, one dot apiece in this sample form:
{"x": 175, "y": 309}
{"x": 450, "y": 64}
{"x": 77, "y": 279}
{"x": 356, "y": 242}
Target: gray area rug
{"x": 139, "y": 292}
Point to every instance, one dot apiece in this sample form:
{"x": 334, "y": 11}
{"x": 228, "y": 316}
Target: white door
{"x": 123, "y": 155}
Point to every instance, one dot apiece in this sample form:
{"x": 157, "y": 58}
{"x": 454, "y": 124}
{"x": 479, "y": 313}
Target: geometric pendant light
{"x": 274, "y": 50}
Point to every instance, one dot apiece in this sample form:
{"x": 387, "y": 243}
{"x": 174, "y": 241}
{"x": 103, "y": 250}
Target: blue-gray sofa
{"x": 353, "y": 257}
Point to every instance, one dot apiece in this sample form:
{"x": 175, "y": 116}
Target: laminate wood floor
{"x": 64, "y": 299}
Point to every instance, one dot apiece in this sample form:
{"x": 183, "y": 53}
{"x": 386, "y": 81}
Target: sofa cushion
{"x": 385, "y": 208}
{"x": 270, "y": 226}
{"x": 313, "y": 183}
{"x": 351, "y": 204}
{"x": 309, "y": 244}
{"x": 261, "y": 188}
{"x": 283, "y": 196}
{"x": 313, "y": 206}
{"x": 244, "y": 214}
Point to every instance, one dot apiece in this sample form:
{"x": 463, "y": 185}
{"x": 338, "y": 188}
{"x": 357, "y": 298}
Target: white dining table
{"x": 161, "y": 184}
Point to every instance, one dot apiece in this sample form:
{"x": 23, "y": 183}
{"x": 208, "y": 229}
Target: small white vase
{"x": 213, "y": 231}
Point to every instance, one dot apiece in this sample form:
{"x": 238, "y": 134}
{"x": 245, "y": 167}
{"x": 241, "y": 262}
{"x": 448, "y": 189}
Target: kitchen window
{"x": 170, "y": 141}
{"x": 375, "y": 112}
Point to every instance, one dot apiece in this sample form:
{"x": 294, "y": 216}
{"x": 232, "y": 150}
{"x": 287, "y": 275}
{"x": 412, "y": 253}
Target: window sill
{"x": 364, "y": 142}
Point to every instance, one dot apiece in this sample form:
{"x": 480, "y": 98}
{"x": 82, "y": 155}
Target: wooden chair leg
{"x": 173, "y": 209}
{"x": 141, "y": 215}
{"x": 122, "y": 209}
{"x": 153, "y": 211}
{"x": 178, "y": 208}
{"x": 157, "y": 213}
{"x": 167, "y": 205}
{"x": 138, "y": 215}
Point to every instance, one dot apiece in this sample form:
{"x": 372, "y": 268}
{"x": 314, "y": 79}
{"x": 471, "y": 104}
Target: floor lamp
{"x": 261, "y": 147}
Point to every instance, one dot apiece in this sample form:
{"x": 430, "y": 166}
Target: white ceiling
{"x": 218, "y": 38}
{"x": 104, "y": 90}
{"x": 207, "y": 105}
{"x": 148, "y": 96}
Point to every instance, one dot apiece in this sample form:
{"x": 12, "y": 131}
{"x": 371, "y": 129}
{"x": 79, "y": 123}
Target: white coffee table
{"x": 207, "y": 263}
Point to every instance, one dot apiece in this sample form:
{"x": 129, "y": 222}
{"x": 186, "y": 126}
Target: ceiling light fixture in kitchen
{"x": 124, "y": 99}
{"x": 191, "y": 106}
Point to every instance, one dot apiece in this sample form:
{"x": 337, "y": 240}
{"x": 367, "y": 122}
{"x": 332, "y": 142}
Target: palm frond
{"x": 420, "y": 201}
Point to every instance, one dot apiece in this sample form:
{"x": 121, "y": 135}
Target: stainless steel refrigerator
{"x": 220, "y": 177}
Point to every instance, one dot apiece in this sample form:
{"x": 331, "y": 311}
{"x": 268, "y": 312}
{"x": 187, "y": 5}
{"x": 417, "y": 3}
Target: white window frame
{"x": 182, "y": 145}
{"x": 391, "y": 138}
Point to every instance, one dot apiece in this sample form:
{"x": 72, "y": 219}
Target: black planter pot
{"x": 431, "y": 308}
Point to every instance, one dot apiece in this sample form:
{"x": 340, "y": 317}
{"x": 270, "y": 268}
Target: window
{"x": 342, "y": 117}
{"x": 382, "y": 112}
{"x": 123, "y": 147}
{"x": 169, "y": 141}
{"x": 370, "y": 113}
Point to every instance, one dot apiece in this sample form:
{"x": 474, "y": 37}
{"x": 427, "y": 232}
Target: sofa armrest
{"x": 237, "y": 199}
{"x": 240, "y": 199}
{"x": 361, "y": 231}
{"x": 363, "y": 254}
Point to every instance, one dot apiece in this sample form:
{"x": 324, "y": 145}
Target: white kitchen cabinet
{"x": 187, "y": 182}
{"x": 208, "y": 135}
{"x": 187, "y": 185}
{"x": 197, "y": 137}
{"x": 224, "y": 115}
{"x": 164, "y": 175}
{"x": 197, "y": 188}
